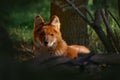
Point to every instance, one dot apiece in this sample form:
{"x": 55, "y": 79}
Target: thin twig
{"x": 89, "y": 13}
{"x": 114, "y": 18}
{"x": 25, "y": 49}
{"x": 80, "y": 13}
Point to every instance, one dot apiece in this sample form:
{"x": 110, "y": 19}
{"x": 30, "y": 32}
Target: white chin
{"x": 50, "y": 44}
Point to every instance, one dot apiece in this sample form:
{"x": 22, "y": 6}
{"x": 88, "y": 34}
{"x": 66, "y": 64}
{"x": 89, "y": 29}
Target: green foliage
{"x": 21, "y": 18}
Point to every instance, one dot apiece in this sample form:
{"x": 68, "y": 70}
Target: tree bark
{"x": 73, "y": 28}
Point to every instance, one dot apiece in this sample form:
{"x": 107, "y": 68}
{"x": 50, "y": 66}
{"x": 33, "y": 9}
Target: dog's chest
{"x": 44, "y": 51}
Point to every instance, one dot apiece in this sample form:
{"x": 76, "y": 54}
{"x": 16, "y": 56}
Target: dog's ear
{"x": 55, "y": 21}
{"x": 38, "y": 22}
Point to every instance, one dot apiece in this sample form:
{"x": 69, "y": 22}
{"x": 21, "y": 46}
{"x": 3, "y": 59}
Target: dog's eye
{"x": 42, "y": 34}
{"x": 52, "y": 34}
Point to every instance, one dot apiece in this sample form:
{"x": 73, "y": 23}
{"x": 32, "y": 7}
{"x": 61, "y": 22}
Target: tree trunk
{"x": 73, "y": 28}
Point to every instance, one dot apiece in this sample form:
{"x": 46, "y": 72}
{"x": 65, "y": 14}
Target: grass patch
{"x": 21, "y": 19}
{"x": 21, "y": 34}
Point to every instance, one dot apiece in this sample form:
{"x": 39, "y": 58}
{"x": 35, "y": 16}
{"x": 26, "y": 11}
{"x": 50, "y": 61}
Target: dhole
{"x": 48, "y": 39}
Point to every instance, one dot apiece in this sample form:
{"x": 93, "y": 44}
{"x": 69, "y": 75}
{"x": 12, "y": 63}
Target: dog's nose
{"x": 45, "y": 42}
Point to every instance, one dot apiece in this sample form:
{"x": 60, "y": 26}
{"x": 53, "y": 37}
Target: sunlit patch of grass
{"x": 21, "y": 34}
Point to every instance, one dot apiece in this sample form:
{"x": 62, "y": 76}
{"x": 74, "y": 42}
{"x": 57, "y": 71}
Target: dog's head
{"x": 47, "y": 34}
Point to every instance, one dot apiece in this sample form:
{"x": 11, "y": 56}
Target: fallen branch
{"x": 111, "y": 59}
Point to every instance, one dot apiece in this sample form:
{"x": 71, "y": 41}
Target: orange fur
{"x": 48, "y": 39}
